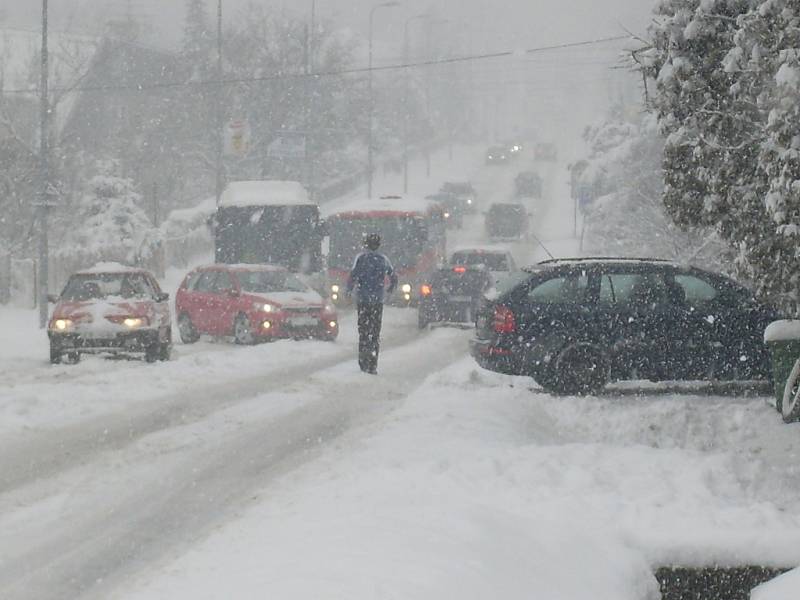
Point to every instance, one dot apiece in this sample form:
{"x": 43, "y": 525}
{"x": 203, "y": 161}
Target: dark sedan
{"x": 453, "y": 294}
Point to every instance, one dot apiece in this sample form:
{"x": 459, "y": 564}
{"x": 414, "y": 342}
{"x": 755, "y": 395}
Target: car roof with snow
{"x": 606, "y": 260}
{"x": 480, "y": 250}
{"x": 243, "y": 267}
{"x": 399, "y": 205}
{"x": 264, "y": 193}
{"x": 110, "y": 267}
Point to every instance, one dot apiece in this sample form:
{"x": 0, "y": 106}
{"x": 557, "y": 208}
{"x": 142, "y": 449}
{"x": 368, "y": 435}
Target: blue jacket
{"x": 368, "y": 277}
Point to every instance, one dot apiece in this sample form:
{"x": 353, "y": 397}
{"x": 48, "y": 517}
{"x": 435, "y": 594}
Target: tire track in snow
{"x": 90, "y": 553}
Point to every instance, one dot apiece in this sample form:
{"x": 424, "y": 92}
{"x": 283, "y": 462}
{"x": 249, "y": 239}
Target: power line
{"x": 333, "y": 73}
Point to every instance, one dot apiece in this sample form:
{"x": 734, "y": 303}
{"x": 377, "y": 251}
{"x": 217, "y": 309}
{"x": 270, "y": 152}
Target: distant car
{"x": 574, "y": 325}
{"x": 454, "y": 208}
{"x": 514, "y": 148}
{"x": 465, "y": 191}
{"x": 110, "y": 309}
{"x": 497, "y": 155}
{"x": 507, "y": 221}
{"x": 498, "y": 261}
{"x": 546, "y": 151}
{"x": 528, "y": 184}
{"x": 251, "y": 303}
{"x": 453, "y": 294}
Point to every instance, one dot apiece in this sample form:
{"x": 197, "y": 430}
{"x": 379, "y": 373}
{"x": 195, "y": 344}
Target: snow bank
{"x": 785, "y": 587}
{"x": 783, "y": 330}
{"x": 264, "y": 193}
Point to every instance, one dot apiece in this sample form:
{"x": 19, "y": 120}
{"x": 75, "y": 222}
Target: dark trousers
{"x": 370, "y": 317}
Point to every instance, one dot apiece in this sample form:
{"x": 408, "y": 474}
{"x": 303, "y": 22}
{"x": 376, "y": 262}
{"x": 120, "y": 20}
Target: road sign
{"x": 237, "y": 138}
{"x": 287, "y": 146}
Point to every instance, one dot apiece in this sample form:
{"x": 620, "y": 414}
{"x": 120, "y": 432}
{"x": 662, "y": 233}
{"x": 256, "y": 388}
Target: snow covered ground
{"x": 281, "y": 471}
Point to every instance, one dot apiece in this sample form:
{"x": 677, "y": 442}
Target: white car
{"x": 498, "y": 261}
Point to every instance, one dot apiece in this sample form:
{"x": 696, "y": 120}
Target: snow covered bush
{"x": 628, "y": 217}
{"x": 727, "y": 101}
{"x": 108, "y": 223}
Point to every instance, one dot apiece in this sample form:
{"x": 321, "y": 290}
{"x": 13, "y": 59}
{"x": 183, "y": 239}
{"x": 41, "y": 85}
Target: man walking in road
{"x": 368, "y": 278}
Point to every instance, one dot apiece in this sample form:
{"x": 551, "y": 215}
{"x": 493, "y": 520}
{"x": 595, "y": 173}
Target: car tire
{"x": 422, "y": 320}
{"x": 55, "y": 355}
{"x": 242, "y": 332}
{"x": 165, "y": 350}
{"x": 152, "y": 352}
{"x": 187, "y": 330}
{"x": 790, "y": 405}
{"x": 580, "y": 369}
{"x": 74, "y": 357}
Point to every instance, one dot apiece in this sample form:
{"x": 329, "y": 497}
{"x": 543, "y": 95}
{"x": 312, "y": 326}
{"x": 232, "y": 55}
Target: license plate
{"x": 460, "y": 299}
{"x": 303, "y": 322}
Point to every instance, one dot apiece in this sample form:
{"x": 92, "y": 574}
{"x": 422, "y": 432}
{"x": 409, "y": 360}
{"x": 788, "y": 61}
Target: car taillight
{"x": 459, "y": 269}
{"x": 425, "y": 289}
{"x": 504, "y": 321}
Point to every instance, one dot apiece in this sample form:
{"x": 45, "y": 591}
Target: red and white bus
{"x": 412, "y": 237}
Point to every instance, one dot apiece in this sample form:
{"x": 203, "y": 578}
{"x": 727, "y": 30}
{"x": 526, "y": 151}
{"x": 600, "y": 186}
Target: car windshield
{"x": 493, "y": 261}
{"x": 99, "y": 286}
{"x": 462, "y": 189}
{"x": 402, "y": 239}
{"x": 263, "y": 282}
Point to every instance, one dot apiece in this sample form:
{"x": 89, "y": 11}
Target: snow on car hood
{"x": 294, "y": 299}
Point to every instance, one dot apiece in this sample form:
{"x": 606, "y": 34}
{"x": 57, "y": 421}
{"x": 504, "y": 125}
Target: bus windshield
{"x": 402, "y": 239}
{"x": 281, "y": 235}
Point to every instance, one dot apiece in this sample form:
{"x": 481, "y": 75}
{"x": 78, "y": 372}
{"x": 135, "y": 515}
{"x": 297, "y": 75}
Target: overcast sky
{"x": 568, "y": 85}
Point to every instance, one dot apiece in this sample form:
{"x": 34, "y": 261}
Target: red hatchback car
{"x": 251, "y": 303}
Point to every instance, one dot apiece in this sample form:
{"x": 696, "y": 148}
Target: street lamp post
{"x": 219, "y": 116}
{"x": 428, "y": 35}
{"x": 371, "y": 107}
{"x": 44, "y": 166}
{"x": 406, "y": 85}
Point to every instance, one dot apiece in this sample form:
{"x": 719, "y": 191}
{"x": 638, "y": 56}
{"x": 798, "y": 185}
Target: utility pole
{"x": 310, "y": 104}
{"x": 44, "y": 175}
{"x": 406, "y": 88}
{"x": 220, "y": 124}
{"x": 371, "y": 99}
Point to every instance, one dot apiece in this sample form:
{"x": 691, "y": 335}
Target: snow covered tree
{"x": 109, "y": 224}
{"x": 628, "y": 217}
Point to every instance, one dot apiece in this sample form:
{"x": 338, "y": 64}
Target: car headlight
{"x": 263, "y": 307}
{"x": 62, "y": 324}
{"x": 490, "y": 157}
{"x": 447, "y": 215}
{"x": 406, "y": 288}
{"x": 133, "y": 322}
{"x": 335, "y": 288}
{"x": 469, "y": 200}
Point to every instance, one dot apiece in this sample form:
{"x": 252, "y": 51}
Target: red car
{"x": 110, "y": 309}
{"x": 251, "y": 303}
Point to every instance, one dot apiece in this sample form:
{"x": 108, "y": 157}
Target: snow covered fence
{"x": 17, "y": 281}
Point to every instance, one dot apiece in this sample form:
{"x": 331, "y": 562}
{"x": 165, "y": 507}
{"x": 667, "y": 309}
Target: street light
{"x": 44, "y": 167}
{"x": 428, "y": 33}
{"x": 371, "y": 107}
{"x": 407, "y": 115}
{"x": 220, "y": 149}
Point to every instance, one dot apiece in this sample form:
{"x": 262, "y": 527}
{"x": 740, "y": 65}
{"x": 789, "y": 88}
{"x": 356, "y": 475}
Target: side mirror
{"x": 52, "y": 298}
{"x": 162, "y": 297}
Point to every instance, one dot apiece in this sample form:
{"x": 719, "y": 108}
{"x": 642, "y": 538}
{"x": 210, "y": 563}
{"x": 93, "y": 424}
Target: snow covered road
{"x": 208, "y": 461}
{"x": 280, "y": 470}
